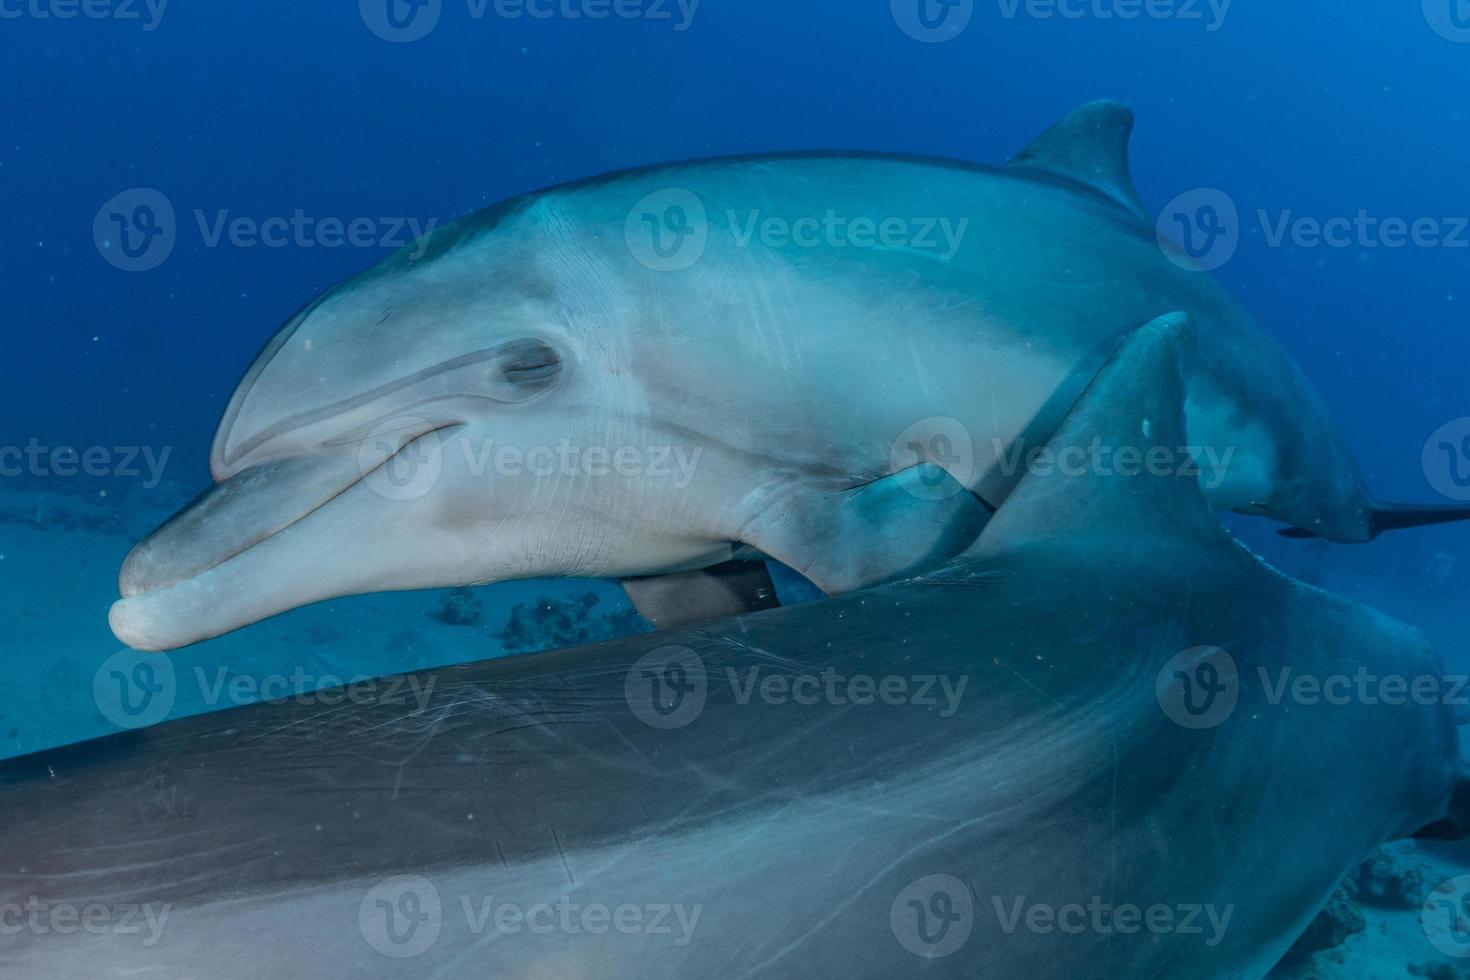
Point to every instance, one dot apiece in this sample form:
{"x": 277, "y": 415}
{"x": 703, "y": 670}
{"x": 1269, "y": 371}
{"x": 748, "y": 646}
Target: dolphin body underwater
{"x": 699, "y": 803}
{"x": 680, "y": 383}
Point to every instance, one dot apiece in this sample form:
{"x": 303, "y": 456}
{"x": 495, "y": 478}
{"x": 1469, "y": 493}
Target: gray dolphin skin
{"x": 810, "y": 358}
{"x": 1062, "y": 754}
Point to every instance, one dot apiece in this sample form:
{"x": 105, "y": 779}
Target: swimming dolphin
{"x": 1057, "y": 756}
{"x": 842, "y": 362}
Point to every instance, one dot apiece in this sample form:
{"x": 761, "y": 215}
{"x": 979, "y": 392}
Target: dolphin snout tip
{"x": 131, "y": 625}
{"x": 134, "y": 576}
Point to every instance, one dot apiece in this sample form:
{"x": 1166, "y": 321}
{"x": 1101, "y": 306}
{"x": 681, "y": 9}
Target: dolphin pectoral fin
{"x": 1455, "y": 825}
{"x": 727, "y": 589}
{"x": 904, "y": 524}
{"x": 1136, "y": 402}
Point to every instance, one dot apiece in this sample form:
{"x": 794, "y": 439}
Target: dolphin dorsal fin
{"x": 1083, "y": 486}
{"x": 1089, "y": 146}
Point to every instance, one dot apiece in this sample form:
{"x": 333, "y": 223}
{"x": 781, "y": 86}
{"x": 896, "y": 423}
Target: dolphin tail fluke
{"x": 1395, "y": 517}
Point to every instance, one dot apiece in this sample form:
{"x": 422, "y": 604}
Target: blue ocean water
{"x": 337, "y": 113}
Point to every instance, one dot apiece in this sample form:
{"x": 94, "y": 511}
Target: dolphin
{"x": 842, "y": 362}
{"x": 1058, "y": 755}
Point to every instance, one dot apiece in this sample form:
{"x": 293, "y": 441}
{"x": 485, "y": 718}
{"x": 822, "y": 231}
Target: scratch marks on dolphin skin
{"x": 862, "y": 890}
{"x": 562, "y": 855}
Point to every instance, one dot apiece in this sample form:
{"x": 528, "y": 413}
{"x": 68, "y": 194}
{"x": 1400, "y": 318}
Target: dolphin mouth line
{"x": 132, "y": 587}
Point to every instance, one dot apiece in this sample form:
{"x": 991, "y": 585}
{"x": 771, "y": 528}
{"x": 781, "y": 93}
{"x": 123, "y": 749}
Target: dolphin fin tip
{"x": 1397, "y": 517}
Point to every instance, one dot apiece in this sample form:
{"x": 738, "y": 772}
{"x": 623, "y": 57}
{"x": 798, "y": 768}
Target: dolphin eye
{"x": 528, "y": 366}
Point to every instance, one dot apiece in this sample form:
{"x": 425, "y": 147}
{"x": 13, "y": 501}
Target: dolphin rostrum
{"x": 1067, "y": 753}
{"x": 843, "y": 362}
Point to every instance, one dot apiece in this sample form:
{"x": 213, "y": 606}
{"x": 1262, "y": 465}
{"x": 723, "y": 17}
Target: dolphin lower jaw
{"x": 347, "y": 546}
{"x": 277, "y": 536}
{"x": 232, "y": 517}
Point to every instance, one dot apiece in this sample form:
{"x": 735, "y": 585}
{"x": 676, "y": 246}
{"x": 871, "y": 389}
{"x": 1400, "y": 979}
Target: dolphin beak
{"x": 275, "y": 536}
{"x": 232, "y": 517}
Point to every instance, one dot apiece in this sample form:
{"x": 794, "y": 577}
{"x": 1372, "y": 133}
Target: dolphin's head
{"x": 451, "y": 417}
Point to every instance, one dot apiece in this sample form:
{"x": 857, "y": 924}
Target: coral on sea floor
{"x": 1330, "y": 929}
{"x": 459, "y": 607}
{"x": 1389, "y": 879}
{"x": 550, "y": 624}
